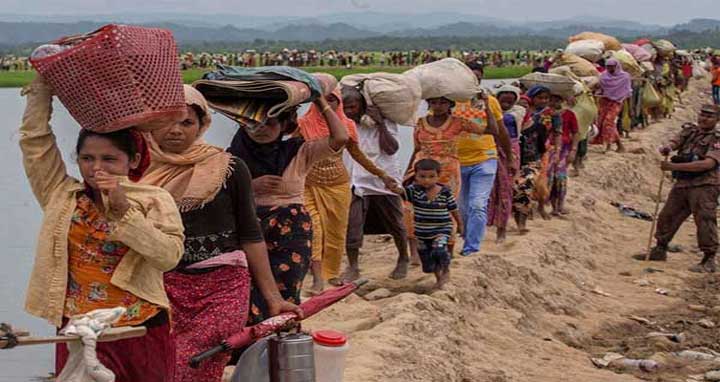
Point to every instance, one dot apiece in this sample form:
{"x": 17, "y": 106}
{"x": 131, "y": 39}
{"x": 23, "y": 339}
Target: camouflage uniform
{"x": 697, "y": 195}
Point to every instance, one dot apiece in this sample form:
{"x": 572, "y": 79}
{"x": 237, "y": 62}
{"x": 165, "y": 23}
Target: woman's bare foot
{"x": 521, "y": 221}
{"x": 318, "y": 283}
{"x": 317, "y": 287}
{"x": 501, "y": 235}
{"x": 620, "y": 148}
{"x": 351, "y": 274}
{"x": 335, "y": 281}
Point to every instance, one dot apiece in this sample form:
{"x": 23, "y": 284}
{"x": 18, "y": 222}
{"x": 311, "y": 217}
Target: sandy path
{"x": 525, "y": 310}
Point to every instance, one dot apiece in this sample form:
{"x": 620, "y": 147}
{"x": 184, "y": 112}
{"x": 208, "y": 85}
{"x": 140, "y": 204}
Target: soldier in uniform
{"x": 697, "y": 187}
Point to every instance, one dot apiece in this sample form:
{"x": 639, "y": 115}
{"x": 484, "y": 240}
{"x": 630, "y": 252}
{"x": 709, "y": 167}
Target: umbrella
{"x": 284, "y": 321}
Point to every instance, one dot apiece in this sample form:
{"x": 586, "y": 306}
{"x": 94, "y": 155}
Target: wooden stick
{"x": 109, "y": 335}
{"x": 655, "y": 215}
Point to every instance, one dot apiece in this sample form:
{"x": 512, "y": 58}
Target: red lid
{"x": 329, "y": 338}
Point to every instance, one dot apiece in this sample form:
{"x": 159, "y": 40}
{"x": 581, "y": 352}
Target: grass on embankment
{"x": 19, "y": 79}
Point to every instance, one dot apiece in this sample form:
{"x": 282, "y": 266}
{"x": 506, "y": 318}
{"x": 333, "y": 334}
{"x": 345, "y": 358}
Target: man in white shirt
{"x": 374, "y": 209}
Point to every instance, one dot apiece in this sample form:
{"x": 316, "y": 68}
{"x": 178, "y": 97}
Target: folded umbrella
{"x": 284, "y": 321}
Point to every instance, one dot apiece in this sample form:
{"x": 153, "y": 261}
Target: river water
{"x": 20, "y": 218}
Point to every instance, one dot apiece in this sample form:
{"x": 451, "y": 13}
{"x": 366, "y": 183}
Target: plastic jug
{"x": 331, "y": 349}
{"x": 291, "y": 358}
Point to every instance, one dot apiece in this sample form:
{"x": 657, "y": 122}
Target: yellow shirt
{"x": 474, "y": 148}
{"x": 151, "y": 228}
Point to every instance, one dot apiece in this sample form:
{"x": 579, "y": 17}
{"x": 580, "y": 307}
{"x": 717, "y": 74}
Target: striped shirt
{"x": 432, "y": 217}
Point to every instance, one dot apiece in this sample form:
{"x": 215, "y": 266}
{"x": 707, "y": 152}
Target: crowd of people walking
{"x": 197, "y": 241}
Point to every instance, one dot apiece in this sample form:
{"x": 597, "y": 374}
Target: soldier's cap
{"x": 713, "y": 110}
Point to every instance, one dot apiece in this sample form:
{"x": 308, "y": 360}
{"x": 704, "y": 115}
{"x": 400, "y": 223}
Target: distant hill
{"x": 462, "y": 29}
{"x": 481, "y": 33}
{"x": 14, "y": 33}
{"x": 698, "y": 25}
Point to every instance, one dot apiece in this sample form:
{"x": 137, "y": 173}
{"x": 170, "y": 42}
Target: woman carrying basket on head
{"x": 105, "y": 240}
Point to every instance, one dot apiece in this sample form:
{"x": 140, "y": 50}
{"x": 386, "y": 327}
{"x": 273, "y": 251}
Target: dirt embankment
{"x": 539, "y": 306}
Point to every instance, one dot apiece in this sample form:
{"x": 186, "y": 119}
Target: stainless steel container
{"x": 292, "y": 358}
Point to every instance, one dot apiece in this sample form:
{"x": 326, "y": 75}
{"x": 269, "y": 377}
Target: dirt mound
{"x": 538, "y": 306}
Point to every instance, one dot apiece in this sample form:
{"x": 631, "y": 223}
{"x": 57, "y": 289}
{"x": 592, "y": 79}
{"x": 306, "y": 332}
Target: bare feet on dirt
{"x": 350, "y": 275}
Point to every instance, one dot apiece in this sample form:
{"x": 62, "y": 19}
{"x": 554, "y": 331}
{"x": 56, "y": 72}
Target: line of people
{"x": 204, "y": 240}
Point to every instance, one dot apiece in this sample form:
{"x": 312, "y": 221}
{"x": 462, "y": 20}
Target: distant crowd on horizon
{"x": 332, "y": 58}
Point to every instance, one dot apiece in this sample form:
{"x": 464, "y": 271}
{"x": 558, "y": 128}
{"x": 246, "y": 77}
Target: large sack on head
{"x": 664, "y": 47}
{"x": 580, "y": 82}
{"x": 611, "y": 43}
{"x": 698, "y": 71}
{"x": 328, "y": 82}
{"x": 650, "y": 49}
{"x": 564, "y": 71}
{"x": 448, "y": 78}
{"x": 397, "y": 96}
{"x": 590, "y": 82}
{"x": 628, "y": 62}
{"x": 558, "y": 84}
{"x": 591, "y": 50}
{"x": 580, "y": 66}
{"x": 638, "y": 52}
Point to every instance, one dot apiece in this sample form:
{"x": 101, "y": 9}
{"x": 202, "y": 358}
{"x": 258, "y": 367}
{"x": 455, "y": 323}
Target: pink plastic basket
{"x": 117, "y": 77}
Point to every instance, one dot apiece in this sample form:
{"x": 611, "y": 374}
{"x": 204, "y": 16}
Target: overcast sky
{"x": 648, "y": 11}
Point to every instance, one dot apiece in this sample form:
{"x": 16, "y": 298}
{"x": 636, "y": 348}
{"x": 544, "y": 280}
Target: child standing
{"x": 558, "y": 173}
{"x": 434, "y": 207}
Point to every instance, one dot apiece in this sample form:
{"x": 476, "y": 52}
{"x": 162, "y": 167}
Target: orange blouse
{"x": 92, "y": 261}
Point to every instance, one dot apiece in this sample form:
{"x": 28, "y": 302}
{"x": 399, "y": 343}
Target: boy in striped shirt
{"x": 434, "y": 207}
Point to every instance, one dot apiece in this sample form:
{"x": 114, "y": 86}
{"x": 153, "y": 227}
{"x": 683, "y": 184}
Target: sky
{"x": 647, "y": 11}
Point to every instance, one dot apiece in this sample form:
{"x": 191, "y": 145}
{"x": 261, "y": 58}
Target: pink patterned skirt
{"x": 206, "y": 309}
{"x": 501, "y": 197}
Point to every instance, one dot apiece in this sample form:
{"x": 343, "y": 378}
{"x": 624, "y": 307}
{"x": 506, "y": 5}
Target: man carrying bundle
{"x": 372, "y": 200}
{"x": 696, "y": 189}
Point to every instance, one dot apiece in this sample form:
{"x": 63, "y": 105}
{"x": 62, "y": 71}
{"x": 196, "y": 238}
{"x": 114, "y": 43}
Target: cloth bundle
{"x": 664, "y": 47}
{"x": 396, "y": 95}
{"x": 580, "y": 66}
{"x": 638, "y": 52}
{"x": 611, "y": 43}
{"x": 252, "y": 95}
{"x": 558, "y": 84}
{"x": 628, "y": 62}
{"x": 591, "y": 50}
{"x": 449, "y": 78}
{"x": 83, "y": 364}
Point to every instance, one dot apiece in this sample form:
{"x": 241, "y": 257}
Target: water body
{"x": 20, "y": 218}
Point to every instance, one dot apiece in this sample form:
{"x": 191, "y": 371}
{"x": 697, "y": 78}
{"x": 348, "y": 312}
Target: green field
{"x": 19, "y": 79}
